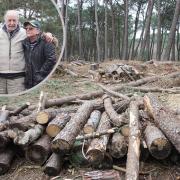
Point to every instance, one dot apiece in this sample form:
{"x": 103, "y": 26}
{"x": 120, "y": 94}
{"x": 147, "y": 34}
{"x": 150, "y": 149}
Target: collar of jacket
{"x": 11, "y": 35}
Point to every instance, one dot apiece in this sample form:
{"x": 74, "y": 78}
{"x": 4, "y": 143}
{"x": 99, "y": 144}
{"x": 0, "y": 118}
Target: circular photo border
{"x": 57, "y": 63}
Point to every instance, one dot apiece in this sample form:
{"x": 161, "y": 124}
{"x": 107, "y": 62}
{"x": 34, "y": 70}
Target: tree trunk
{"x": 125, "y": 48}
{"x": 66, "y": 138}
{"x": 106, "y": 32}
{"x": 147, "y": 29}
{"x": 159, "y": 39}
{"x": 164, "y": 119}
{"x": 132, "y": 164}
{"x": 39, "y": 151}
{"x": 96, "y": 151}
{"x": 172, "y": 32}
{"x": 92, "y": 122}
{"x": 53, "y": 165}
{"x": 57, "y": 124}
{"x": 118, "y": 146}
{"x": 97, "y": 31}
{"x": 157, "y": 143}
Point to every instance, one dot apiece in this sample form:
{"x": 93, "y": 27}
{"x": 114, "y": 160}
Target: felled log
{"x": 157, "y": 143}
{"x": 57, "y": 124}
{"x": 132, "y": 164}
{"x": 53, "y": 165}
{"x": 116, "y": 119}
{"x": 98, "y": 146}
{"x": 19, "y": 109}
{"x": 94, "y": 66}
{"x": 40, "y": 150}
{"x": 92, "y": 122}
{"x": 45, "y": 116}
{"x": 6, "y": 158}
{"x": 114, "y": 93}
{"x": 103, "y": 175}
{"x": 42, "y": 101}
{"x": 66, "y": 138}
{"x": 23, "y": 123}
{"x": 164, "y": 119}
{"x": 4, "y": 139}
{"x": 97, "y": 134}
{"x": 25, "y": 138}
{"x": 118, "y": 146}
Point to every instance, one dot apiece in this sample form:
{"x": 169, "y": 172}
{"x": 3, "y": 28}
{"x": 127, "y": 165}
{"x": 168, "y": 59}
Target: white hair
{"x": 12, "y": 13}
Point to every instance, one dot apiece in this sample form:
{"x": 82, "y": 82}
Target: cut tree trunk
{"x": 97, "y": 149}
{"x": 25, "y": 138}
{"x": 57, "y": 124}
{"x": 118, "y": 146}
{"x": 157, "y": 143}
{"x": 53, "y": 165}
{"x": 40, "y": 150}
{"x": 92, "y": 122}
{"x": 132, "y": 164}
{"x": 164, "y": 119}
{"x": 66, "y": 138}
{"x": 116, "y": 119}
{"x": 6, "y": 158}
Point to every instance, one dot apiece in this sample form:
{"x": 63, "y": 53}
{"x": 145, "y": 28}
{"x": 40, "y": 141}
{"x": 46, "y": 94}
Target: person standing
{"x": 12, "y": 62}
{"x": 40, "y": 56}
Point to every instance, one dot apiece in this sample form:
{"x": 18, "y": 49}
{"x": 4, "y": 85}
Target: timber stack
{"x": 102, "y": 127}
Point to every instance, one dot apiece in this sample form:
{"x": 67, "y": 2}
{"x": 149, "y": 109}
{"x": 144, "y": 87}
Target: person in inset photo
{"x": 40, "y": 55}
{"x": 12, "y": 60}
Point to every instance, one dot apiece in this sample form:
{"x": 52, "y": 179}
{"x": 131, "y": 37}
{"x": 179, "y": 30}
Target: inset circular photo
{"x": 31, "y": 44}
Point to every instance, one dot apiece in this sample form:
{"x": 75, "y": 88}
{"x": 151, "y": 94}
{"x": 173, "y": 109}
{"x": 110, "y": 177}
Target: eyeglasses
{"x": 29, "y": 28}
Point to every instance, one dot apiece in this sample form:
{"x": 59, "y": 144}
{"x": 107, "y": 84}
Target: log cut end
{"x": 160, "y": 148}
{"x": 42, "y": 117}
{"x": 88, "y": 129}
{"x": 60, "y": 146}
{"x": 52, "y": 130}
{"x": 37, "y": 154}
{"x": 95, "y": 156}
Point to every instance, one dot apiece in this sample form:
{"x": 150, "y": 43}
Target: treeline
{"x": 121, "y": 29}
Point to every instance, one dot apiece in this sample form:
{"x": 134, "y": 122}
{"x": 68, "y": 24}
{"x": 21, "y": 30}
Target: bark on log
{"x": 92, "y": 122}
{"x": 25, "y": 138}
{"x": 23, "y": 123}
{"x": 57, "y": 124}
{"x": 6, "y": 158}
{"x": 157, "y": 143}
{"x": 87, "y": 96}
{"x": 132, "y": 164}
{"x": 118, "y": 146}
{"x": 116, "y": 119}
{"x": 164, "y": 119}
{"x": 19, "y": 109}
{"x": 4, "y": 139}
{"x": 66, "y": 138}
{"x": 40, "y": 150}
{"x": 97, "y": 148}
{"x": 53, "y": 165}
{"x": 103, "y": 175}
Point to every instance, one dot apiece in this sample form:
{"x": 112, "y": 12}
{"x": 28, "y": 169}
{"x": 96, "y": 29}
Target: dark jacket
{"x": 40, "y": 60}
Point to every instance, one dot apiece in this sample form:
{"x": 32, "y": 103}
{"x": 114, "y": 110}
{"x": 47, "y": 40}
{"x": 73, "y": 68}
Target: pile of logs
{"x": 114, "y": 73}
{"x": 111, "y": 127}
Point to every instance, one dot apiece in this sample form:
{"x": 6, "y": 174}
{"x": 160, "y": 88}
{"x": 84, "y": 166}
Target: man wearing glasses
{"x": 39, "y": 54}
